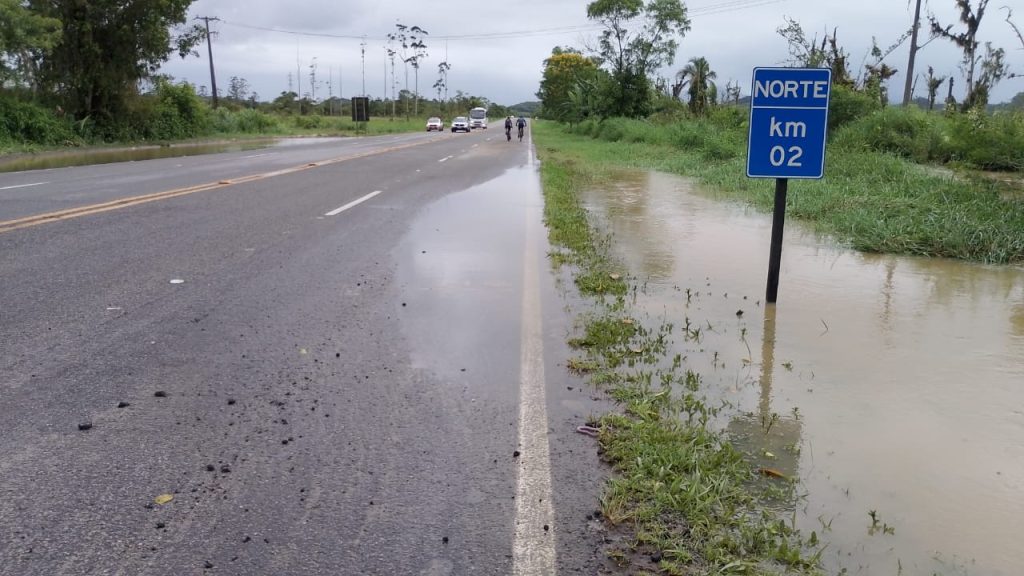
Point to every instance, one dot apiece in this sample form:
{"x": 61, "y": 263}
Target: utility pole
{"x": 362, "y": 48}
{"x": 908, "y": 88}
{"x": 312, "y": 81}
{"x": 209, "y": 50}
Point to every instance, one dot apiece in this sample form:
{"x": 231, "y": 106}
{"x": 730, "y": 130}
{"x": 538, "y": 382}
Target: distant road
{"x": 348, "y": 368}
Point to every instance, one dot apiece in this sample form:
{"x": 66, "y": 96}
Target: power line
{"x": 707, "y": 10}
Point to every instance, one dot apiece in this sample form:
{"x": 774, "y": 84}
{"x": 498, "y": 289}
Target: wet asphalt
{"x": 318, "y": 394}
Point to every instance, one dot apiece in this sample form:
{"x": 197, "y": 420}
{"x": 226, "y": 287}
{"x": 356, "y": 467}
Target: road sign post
{"x": 788, "y": 123}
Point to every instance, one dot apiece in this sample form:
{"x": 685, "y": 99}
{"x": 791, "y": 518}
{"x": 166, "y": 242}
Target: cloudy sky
{"x": 496, "y": 48}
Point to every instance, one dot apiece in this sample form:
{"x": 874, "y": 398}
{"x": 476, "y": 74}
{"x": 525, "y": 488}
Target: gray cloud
{"x": 508, "y": 69}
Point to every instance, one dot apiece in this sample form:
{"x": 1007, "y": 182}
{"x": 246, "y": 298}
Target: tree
{"x": 702, "y": 91}
{"x": 804, "y": 53}
{"x": 993, "y": 69}
{"x": 732, "y": 92}
{"x": 238, "y": 89}
{"x": 879, "y": 72}
{"x": 1009, "y": 20}
{"x": 934, "y": 83}
{"x": 967, "y": 40}
{"x": 108, "y": 46}
{"x": 633, "y": 55}
{"x": 411, "y": 49}
{"x": 285, "y": 102}
{"x": 25, "y": 38}
{"x": 562, "y": 72}
{"x": 442, "y": 81}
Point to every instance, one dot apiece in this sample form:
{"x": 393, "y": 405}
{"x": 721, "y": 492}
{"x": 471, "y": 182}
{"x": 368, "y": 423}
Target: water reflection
{"x": 905, "y": 374}
{"x": 772, "y": 439}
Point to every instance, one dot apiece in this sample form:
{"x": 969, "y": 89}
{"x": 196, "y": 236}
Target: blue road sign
{"x": 788, "y": 120}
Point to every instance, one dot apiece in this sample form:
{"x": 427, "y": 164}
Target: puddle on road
{"x": 64, "y": 159}
{"x": 460, "y": 268}
{"x": 886, "y": 384}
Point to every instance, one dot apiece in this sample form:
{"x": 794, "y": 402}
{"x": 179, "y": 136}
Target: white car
{"x": 460, "y": 124}
{"x": 435, "y": 123}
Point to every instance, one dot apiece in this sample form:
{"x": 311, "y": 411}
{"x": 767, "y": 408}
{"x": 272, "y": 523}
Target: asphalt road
{"x": 349, "y": 368}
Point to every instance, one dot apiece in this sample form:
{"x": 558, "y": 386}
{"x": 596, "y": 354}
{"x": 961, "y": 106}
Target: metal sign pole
{"x": 775, "y": 255}
{"x": 788, "y": 125}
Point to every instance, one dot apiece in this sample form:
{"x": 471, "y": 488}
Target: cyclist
{"x": 521, "y": 124}
{"x": 508, "y": 128}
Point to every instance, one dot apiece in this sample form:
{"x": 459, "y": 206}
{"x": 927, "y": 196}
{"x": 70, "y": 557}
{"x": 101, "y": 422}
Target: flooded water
{"x": 889, "y": 386}
{"x": 63, "y": 159}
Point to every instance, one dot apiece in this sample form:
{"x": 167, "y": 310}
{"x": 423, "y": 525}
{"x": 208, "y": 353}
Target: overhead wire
{"x": 706, "y": 10}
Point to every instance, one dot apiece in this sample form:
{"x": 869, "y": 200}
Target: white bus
{"x": 478, "y": 118}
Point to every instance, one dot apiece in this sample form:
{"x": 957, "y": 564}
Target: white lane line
{"x": 256, "y": 156}
{"x": 446, "y": 158}
{"x": 23, "y": 185}
{"x": 533, "y": 546}
{"x": 357, "y": 202}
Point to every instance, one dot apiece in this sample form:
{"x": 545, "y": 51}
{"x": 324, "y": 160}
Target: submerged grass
{"x": 686, "y": 500}
{"x": 871, "y": 201}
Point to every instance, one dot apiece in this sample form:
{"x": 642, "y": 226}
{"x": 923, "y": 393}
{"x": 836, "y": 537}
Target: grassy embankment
{"x": 175, "y": 115}
{"x": 874, "y": 196}
{"x": 687, "y": 501}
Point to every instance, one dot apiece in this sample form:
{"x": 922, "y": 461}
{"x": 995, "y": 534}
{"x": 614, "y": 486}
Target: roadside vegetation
{"x": 874, "y": 196}
{"x": 71, "y": 76}
{"x": 925, "y": 179}
{"x": 683, "y": 499}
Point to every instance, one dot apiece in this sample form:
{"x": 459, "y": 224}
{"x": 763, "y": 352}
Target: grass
{"x": 871, "y": 201}
{"x": 573, "y": 234}
{"x": 686, "y": 501}
{"x": 236, "y": 126}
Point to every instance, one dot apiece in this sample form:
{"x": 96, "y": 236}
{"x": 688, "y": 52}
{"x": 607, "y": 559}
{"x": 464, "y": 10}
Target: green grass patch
{"x": 570, "y": 231}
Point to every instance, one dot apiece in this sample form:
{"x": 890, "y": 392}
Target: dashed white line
{"x": 256, "y": 156}
{"x": 23, "y": 185}
{"x": 446, "y": 158}
{"x": 356, "y": 202}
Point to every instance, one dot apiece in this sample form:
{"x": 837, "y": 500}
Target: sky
{"x": 497, "y": 49}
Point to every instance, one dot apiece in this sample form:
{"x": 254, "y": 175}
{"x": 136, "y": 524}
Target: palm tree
{"x": 702, "y": 91}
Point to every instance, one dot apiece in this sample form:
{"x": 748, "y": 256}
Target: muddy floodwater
{"x": 891, "y": 387}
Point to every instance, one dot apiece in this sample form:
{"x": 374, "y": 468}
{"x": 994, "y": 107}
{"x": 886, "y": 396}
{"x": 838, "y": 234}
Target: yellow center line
{"x": 57, "y": 216}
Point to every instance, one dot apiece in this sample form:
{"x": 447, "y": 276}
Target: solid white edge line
{"x": 357, "y": 202}
{"x": 23, "y": 185}
{"x": 533, "y": 546}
